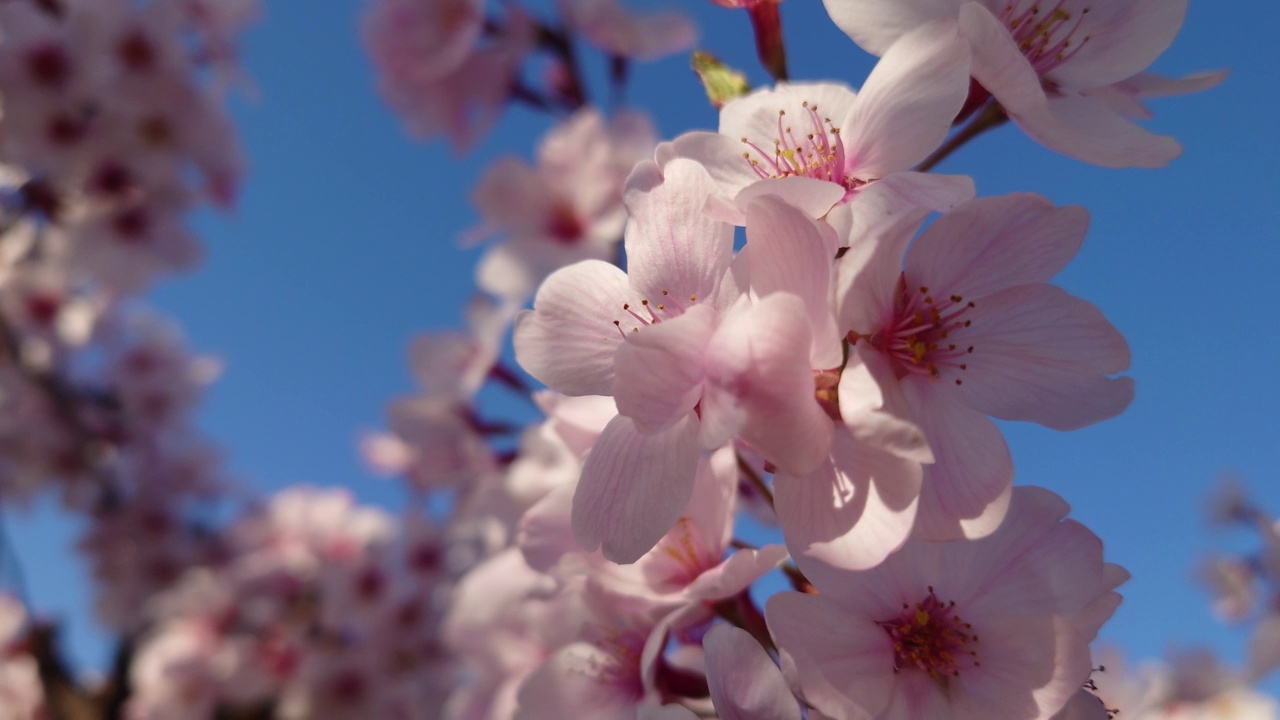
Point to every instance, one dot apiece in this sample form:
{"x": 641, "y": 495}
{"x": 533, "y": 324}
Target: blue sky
{"x": 344, "y": 245}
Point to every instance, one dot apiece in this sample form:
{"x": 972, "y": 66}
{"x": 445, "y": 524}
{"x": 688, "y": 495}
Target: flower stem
{"x": 756, "y": 481}
{"x": 992, "y": 115}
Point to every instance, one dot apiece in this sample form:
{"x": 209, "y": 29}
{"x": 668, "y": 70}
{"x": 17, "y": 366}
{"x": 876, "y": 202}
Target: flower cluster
{"x": 788, "y": 317}
{"x": 318, "y": 608}
{"x": 837, "y": 375}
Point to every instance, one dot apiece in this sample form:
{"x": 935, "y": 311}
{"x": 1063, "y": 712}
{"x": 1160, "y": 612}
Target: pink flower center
{"x": 620, "y": 666}
{"x": 920, "y": 337}
{"x": 816, "y": 153}
{"x": 651, "y": 313}
{"x": 930, "y": 636}
{"x": 1045, "y": 37}
{"x": 685, "y": 556}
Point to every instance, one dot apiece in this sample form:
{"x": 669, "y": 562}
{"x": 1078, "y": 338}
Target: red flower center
{"x": 930, "y": 636}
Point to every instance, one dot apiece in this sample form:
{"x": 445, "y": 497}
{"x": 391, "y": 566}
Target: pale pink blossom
{"x": 566, "y": 208}
{"x": 963, "y": 324}
{"x": 617, "y": 665}
{"x": 691, "y": 362}
{"x": 1067, "y": 72}
{"x": 968, "y": 629}
{"x": 422, "y": 39}
{"x": 460, "y": 103}
{"x": 820, "y": 144}
{"x": 691, "y": 564}
{"x": 610, "y": 26}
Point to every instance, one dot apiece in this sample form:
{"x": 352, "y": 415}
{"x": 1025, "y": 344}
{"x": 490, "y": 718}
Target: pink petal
{"x": 875, "y": 24}
{"x": 1126, "y": 96}
{"x": 1032, "y": 667}
{"x": 906, "y": 106}
{"x": 811, "y": 196}
{"x": 745, "y": 684}
{"x": 567, "y": 341}
{"x": 967, "y": 490}
{"x": 671, "y": 245}
{"x": 834, "y": 658}
{"x": 545, "y": 532}
{"x": 660, "y": 369}
{"x": 790, "y": 253}
{"x": 512, "y": 196}
{"x": 737, "y": 573}
{"x": 758, "y": 365}
{"x": 1084, "y": 128}
{"x": 720, "y": 155}
{"x": 1151, "y": 85}
{"x": 1043, "y": 355}
{"x": 576, "y": 680}
{"x": 1124, "y": 39}
{"x": 1088, "y": 129}
{"x": 922, "y": 190}
{"x": 850, "y": 513}
{"x": 879, "y": 231}
{"x": 874, "y": 409}
{"x": 993, "y": 243}
{"x": 634, "y": 487}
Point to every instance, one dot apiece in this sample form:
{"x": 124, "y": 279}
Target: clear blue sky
{"x": 343, "y": 246}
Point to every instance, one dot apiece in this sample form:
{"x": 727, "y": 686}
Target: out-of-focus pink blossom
{"x": 565, "y": 209}
{"x": 613, "y": 28}
{"x": 460, "y": 102}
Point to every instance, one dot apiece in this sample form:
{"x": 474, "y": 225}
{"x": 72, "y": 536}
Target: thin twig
{"x": 991, "y": 115}
{"x": 756, "y": 481}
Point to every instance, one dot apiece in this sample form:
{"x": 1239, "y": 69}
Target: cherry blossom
{"x": 963, "y": 324}
{"x": 829, "y": 143}
{"x": 567, "y": 208}
{"x": 435, "y": 92}
{"x": 957, "y": 629}
{"x": 610, "y": 26}
{"x": 726, "y": 365}
{"x": 1050, "y": 66}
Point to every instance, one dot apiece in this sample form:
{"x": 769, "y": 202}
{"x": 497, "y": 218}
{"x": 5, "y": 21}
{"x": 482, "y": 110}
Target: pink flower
{"x": 969, "y": 630}
{"x": 565, "y": 209}
{"x": 691, "y": 564}
{"x": 608, "y": 670}
{"x": 690, "y": 360}
{"x": 1050, "y": 65}
{"x": 618, "y": 31}
{"x": 429, "y": 38}
{"x": 829, "y": 143}
{"x": 962, "y": 325}
{"x": 460, "y": 99}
